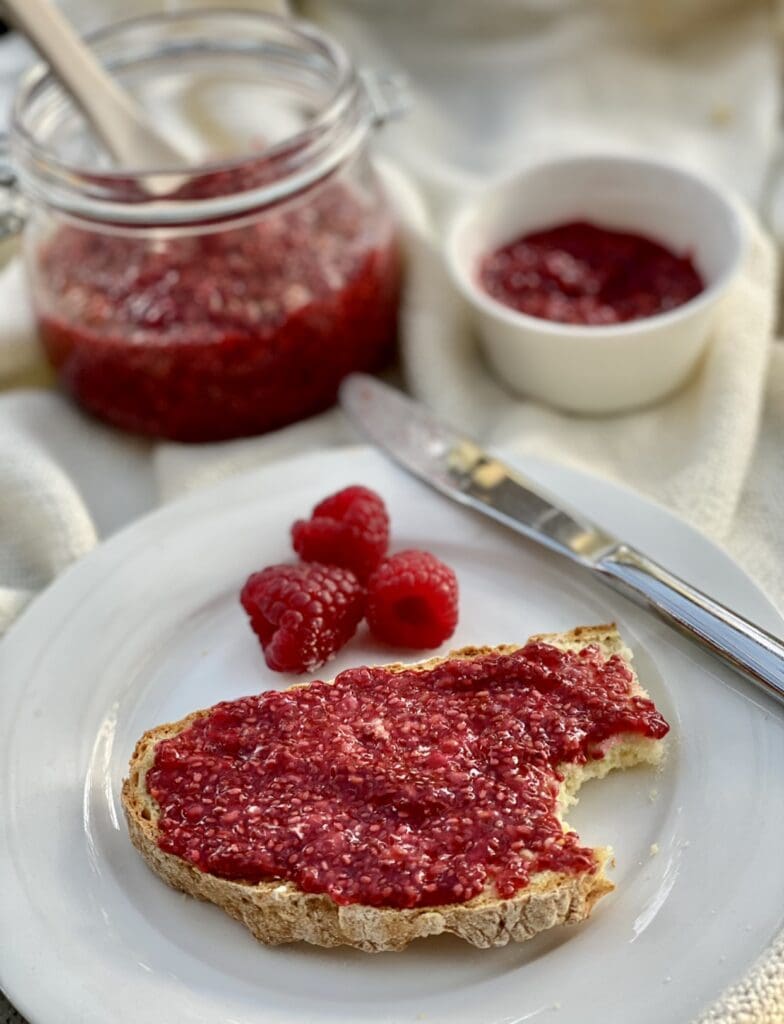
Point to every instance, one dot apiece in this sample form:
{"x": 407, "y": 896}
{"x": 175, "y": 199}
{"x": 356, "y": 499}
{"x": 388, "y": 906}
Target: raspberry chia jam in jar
{"x": 230, "y": 298}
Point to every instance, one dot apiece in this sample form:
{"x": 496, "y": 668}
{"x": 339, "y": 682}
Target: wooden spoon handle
{"x": 118, "y": 121}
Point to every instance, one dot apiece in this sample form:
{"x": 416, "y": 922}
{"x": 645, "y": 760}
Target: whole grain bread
{"x": 279, "y": 912}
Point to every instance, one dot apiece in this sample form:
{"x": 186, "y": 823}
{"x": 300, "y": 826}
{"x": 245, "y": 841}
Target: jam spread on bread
{"x": 398, "y": 788}
{"x": 579, "y": 273}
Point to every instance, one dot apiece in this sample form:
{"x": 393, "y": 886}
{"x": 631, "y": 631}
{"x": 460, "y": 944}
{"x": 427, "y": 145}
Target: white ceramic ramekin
{"x": 599, "y": 369}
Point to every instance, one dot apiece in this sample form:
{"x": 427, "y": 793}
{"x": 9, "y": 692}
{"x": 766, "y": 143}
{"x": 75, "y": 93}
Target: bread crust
{"x": 279, "y": 912}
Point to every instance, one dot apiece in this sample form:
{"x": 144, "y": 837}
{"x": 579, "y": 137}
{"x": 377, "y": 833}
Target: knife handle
{"x": 746, "y": 647}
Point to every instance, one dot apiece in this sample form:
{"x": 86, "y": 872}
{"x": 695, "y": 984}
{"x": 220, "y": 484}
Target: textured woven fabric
{"x": 8, "y": 1015}
{"x": 55, "y": 463}
{"x": 712, "y": 453}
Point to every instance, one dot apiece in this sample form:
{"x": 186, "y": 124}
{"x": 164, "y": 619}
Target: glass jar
{"x": 229, "y": 298}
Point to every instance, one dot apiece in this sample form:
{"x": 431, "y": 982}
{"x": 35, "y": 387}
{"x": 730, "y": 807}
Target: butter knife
{"x": 462, "y": 470}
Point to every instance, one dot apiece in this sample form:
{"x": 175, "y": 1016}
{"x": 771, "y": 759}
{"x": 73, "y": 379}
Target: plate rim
{"x": 14, "y": 963}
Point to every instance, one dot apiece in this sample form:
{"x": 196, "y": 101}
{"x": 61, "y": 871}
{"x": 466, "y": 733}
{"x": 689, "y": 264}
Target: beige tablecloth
{"x": 492, "y": 94}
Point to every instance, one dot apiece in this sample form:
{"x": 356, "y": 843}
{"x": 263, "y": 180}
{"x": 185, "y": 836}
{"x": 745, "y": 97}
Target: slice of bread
{"x": 278, "y": 911}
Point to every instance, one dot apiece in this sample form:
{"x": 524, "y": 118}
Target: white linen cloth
{"x": 67, "y": 480}
{"x": 512, "y": 86}
{"x": 539, "y": 85}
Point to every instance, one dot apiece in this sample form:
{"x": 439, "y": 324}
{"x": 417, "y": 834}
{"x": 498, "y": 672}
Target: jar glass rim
{"x": 333, "y": 131}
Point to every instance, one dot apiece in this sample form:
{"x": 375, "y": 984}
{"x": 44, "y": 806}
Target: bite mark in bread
{"x": 279, "y": 912}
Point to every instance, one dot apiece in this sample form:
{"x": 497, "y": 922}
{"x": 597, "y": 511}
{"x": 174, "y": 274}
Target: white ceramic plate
{"x": 148, "y": 627}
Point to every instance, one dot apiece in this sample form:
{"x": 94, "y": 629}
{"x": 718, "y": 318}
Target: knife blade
{"x": 460, "y": 468}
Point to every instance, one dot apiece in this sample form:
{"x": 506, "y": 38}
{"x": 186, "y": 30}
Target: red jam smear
{"x": 226, "y": 333}
{"x": 579, "y": 273}
{"x": 397, "y": 789}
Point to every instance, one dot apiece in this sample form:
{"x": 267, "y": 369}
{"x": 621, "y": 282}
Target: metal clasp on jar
{"x": 13, "y": 210}
{"x": 388, "y": 94}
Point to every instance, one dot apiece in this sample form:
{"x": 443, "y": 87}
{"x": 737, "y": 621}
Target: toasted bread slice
{"x": 279, "y": 912}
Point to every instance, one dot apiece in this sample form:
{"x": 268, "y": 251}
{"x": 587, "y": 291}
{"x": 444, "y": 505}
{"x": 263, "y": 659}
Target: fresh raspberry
{"x": 350, "y": 528}
{"x": 302, "y": 614}
{"x": 412, "y": 600}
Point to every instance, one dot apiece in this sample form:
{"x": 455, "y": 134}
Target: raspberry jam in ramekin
{"x": 582, "y": 273}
